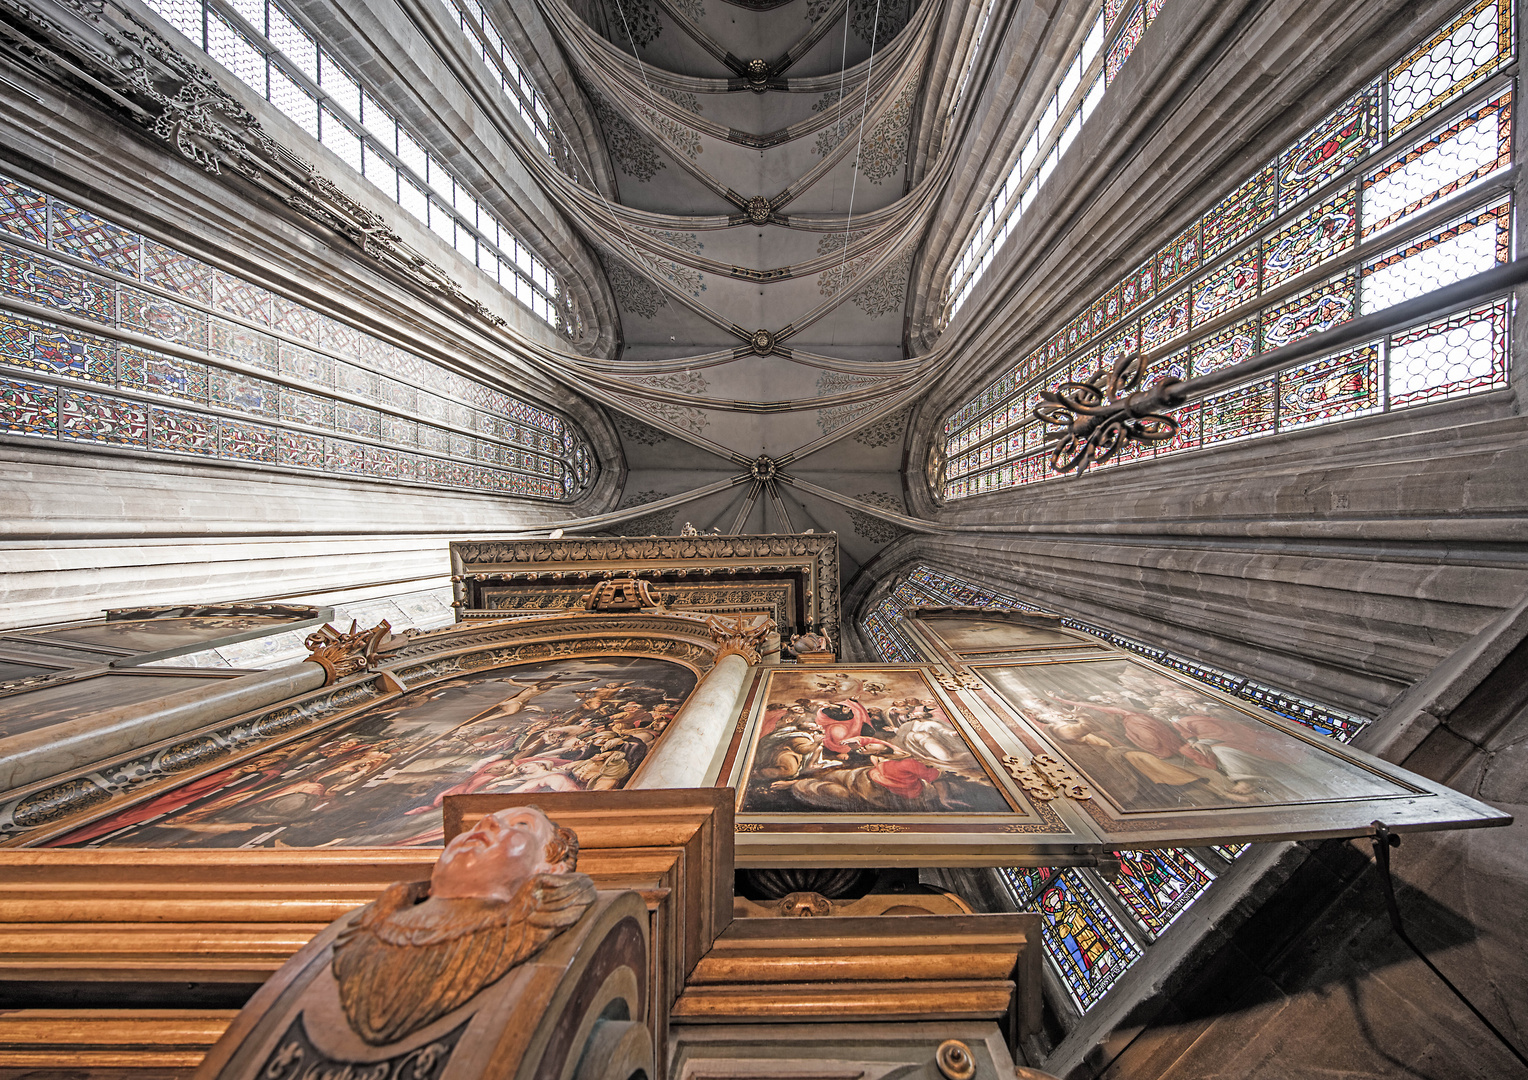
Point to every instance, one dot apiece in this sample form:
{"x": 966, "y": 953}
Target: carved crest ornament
{"x": 342, "y": 654}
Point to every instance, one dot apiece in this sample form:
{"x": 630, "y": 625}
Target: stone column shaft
{"x": 698, "y": 730}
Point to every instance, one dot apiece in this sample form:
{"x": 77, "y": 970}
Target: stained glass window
{"x": 1464, "y": 51}
{"x": 1346, "y": 135}
{"x": 1334, "y": 387}
{"x": 1230, "y": 852}
{"x": 1468, "y": 245}
{"x": 396, "y": 411}
{"x": 1158, "y": 886}
{"x": 1287, "y": 236}
{"x": 1085, "y": 942}
{"x": 1027, "y": 882}
{"x": 1444, "y": 161}
{"x": 1462, "y": 354}
{"x": 262, "y": 45}
{"x": 1077, "y": 90}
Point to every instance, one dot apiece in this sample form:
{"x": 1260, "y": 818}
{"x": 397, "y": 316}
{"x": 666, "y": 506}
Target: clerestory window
{"x": 269, "y": 50}
{"x": 1400, "y": 190}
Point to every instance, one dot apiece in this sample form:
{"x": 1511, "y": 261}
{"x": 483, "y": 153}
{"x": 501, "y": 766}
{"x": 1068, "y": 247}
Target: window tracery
{"x": 1318, "y": 210}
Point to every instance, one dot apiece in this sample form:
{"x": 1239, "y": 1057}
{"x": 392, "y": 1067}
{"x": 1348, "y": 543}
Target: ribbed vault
{"x": 773, "y": 169}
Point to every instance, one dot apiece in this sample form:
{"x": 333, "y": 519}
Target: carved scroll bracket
{"x": 621, "y": 594}
{"x": 739, "y": 636}
{"x": 960, "y": 680}
{"x": 344, "y": 654}
{"x": 1044, "y": 778}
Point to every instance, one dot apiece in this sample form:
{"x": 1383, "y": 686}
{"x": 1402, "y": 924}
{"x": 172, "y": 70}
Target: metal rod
{"x": 1384, "y": 840}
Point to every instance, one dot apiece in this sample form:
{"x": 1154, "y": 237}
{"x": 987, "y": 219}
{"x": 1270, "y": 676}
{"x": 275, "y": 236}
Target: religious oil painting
{"x": 861, "y": 741}
{"x": 378, "y": 778}
{"x": 1150, "y": 743}
{"x": 971, "y": 635}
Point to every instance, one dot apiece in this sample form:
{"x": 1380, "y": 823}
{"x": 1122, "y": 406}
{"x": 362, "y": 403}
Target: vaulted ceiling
{"x": 760, "y": 230}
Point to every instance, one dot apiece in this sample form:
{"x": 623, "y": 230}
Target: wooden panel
{"x": 845, "y": 1001}
{"x": 157, "y": 1039}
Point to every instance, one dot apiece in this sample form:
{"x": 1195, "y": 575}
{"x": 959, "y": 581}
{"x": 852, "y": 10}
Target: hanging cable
{"x": 859, "y": 148}
{"x": 1384, "y": 840}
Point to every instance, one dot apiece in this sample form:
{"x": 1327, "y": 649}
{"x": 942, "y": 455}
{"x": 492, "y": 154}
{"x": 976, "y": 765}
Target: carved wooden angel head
{"x": 499, "y": 893}
{"x": 502, "y": 851}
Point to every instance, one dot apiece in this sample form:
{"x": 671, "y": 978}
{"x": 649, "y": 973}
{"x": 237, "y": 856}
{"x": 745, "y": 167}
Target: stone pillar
{"x": 699, "y": 730}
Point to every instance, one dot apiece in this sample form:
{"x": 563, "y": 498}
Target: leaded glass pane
{"x": 294, "y": 102}
{"x": 1323, "y": 232}
{"x": 1158, "y": 886}
{"x": 381, "y": 172}
{"x": 233, "y": 50}
{"x": 1463, "y": 354}
{"x": 1227, "y": 346}
{"x": 1310, "y": 311}
{"x": 1445, "y": 161}
{"x": 1125, "y": 43}
{"x": 1247, "y": 410}
{"x": 1332, "y": 388}
{"x": 1349, "y": 133}
{"x": 294, "y": 43}
{"x": 1179, "y": 257}
{"x": 1459, "y": 55}
{"x": 338, "y": 136}
{"x": 1241, "y": 213}
{"x": 338, "y": 84}
{"x": 1230, "y": 852}
{"x": 1228, "y": 286}
{"x": 1083, "y": 939}
{"x": 1027, "y": 882}
{"x": 1465, "y": 246}
{"x": 1164, "y": 323}
{"x": 23, "y": 213}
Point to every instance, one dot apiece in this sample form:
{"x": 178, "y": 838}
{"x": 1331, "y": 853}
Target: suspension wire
{"x": 859, "y": 146}
{"x": 1384, "y": 840}
{"x": 588, "y": 168}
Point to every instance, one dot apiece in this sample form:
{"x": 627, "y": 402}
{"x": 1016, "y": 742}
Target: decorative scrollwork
{"x": 879, "y": 827}
{"x": 1097, "y": 419}
{"x": 1060, "y": 777}
{"x": 960, "y": 680}
{"x": 344, "y": 654}
{"x": 621, "y": 594}
{"x": 1045, "y": 779}
{"x": 739, "y": 636}
{"x": 124, "y": 63}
